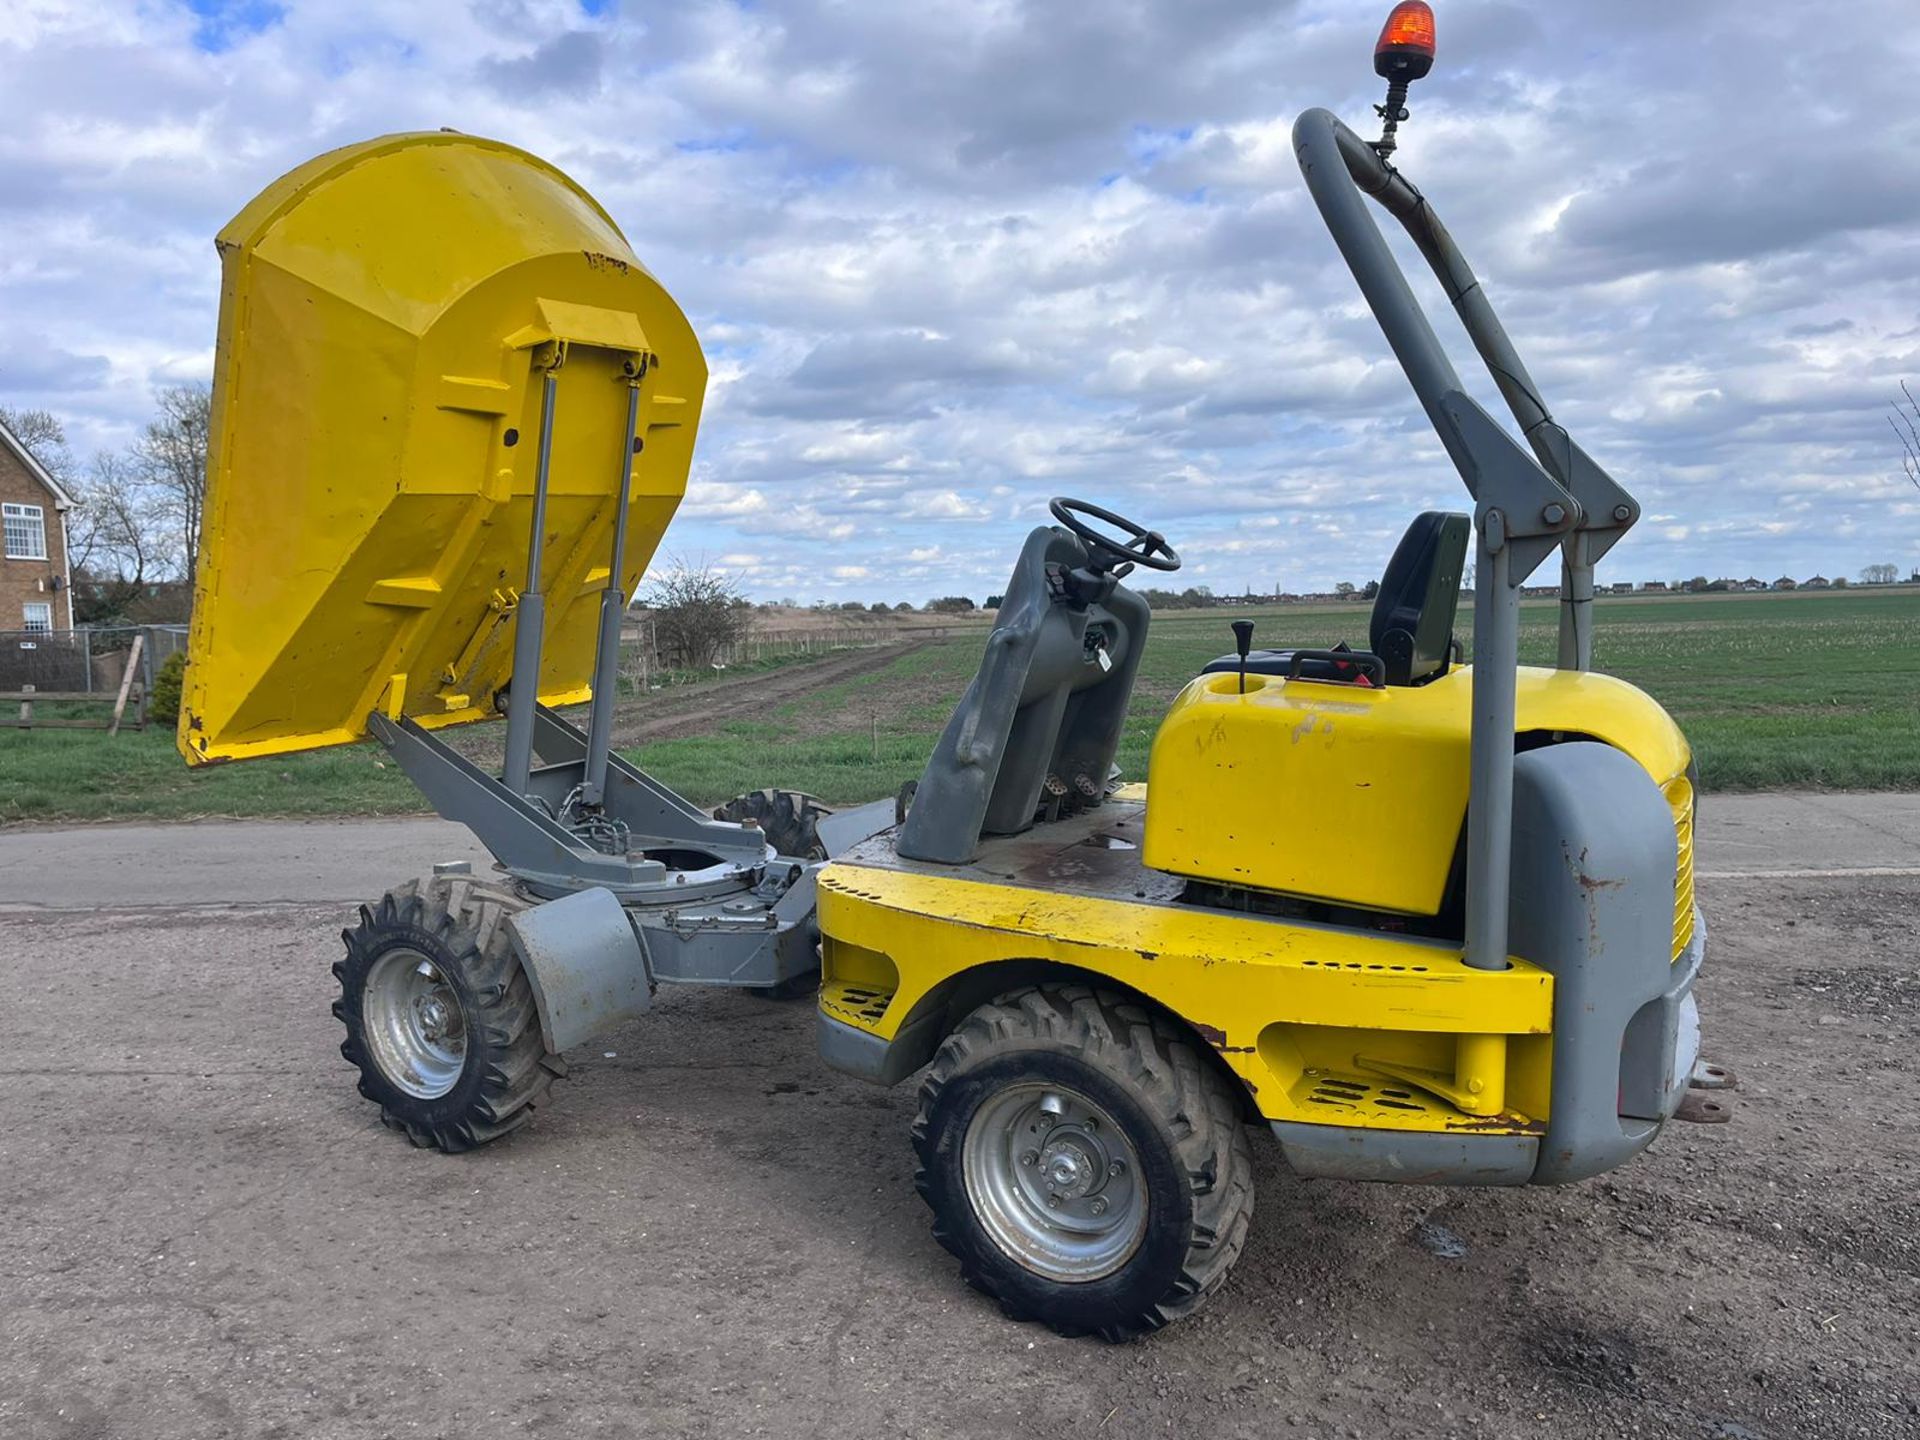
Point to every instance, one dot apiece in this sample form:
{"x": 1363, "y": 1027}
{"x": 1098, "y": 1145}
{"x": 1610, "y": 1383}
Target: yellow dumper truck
{"x": 1423, "y": 920}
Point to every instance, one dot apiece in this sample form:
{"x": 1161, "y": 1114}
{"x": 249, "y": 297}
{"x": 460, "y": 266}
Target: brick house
{"x": 36, "y": 586}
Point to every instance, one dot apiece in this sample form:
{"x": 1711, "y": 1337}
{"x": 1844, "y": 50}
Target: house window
{"x": 39, "y": 618}
{"x": 26, "y": 528}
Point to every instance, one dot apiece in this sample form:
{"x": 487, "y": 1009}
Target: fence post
{"x": 86, "y": 644}
{"x": 126, "y": 684}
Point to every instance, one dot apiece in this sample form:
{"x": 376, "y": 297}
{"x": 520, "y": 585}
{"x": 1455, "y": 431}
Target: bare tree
{"x": 118, "y": 540}
{"x": 136, "y": 517}
{"x": 1879, "y": 574}
{"x": 45, "y": 438}
{"x": 697, "y": 613}
{"x": 1906, "y": 424}
{"x": 173, "y": 459}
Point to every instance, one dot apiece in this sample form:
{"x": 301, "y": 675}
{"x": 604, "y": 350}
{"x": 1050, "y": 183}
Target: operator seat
{"x": 1037, "y": 729}
{"x": 1411, "y": 634}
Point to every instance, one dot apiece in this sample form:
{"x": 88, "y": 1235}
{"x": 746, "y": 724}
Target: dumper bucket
{"x": 389, "y": 314}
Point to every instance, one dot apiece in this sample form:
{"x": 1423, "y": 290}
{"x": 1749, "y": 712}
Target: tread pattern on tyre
{"x": 509, "y": 1071}
{"x": 1196, "y": 1107}
{"x": 788, "y": 818}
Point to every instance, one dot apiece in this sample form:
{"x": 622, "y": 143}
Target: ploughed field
{"x": 1775, "y": 691}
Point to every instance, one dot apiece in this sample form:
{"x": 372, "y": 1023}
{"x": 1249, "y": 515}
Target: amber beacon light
{"x": 1405, "y": 48}
{"x": 1403, "y": 54}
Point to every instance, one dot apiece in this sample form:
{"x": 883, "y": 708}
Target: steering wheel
{"x": 1143, "y": 547}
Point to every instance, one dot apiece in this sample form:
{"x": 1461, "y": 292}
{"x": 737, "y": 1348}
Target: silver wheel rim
{"x": 1054, "y": 1182}
{"x": 414, "y": 1023}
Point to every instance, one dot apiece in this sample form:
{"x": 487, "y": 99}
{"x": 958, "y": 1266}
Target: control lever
{"x": 1243, "y": 642}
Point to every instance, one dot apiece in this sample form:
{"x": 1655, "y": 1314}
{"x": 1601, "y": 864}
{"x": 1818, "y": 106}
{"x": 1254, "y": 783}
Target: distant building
{"x": 1786, "y": 582}
{"x": 36, "y": 587}
{"x": 1653, "y": 587}
{"x": 1818, "y": 582}
{"x": 1750, "y": 584}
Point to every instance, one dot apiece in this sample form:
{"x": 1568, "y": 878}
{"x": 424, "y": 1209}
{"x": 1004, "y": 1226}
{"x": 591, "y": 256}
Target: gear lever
{"x": 1243, "y": 642}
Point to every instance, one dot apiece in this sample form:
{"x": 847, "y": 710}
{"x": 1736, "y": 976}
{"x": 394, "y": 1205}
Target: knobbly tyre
{"x": 1426, "y": 922}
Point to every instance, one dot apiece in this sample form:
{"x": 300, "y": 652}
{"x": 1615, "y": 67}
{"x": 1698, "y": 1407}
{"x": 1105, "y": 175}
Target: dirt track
{"x": 208, "y": 1234}
{"x": 699, "y": 709}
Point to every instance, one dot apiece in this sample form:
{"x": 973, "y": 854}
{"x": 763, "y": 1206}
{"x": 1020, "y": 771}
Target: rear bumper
{"x": 1587, "y": 1134}
{"x": 1407, "y": 1157}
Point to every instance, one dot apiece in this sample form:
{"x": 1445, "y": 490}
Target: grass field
{"x": 1773, "y": 690}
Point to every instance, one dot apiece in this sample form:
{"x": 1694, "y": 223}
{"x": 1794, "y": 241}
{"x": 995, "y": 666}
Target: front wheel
{"x": 440, "y": 1016}
{"x": 1084, "y": 1164}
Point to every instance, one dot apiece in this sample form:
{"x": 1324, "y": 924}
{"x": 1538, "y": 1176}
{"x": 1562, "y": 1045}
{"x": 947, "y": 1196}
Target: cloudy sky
{"x": 949, "y": 259}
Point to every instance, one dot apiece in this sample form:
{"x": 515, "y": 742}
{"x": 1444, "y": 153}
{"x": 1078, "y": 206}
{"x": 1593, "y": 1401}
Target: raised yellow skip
{"x": 387, "y": 314}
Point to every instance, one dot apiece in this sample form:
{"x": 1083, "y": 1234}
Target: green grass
{"x": 48, "y": 775}
{"x": 1773, "y": 691}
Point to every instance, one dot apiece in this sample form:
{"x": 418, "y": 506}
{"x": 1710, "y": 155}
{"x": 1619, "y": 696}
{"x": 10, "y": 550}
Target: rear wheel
{"x": 440, "y": 1017}
{"x": 1084, "y": 1164}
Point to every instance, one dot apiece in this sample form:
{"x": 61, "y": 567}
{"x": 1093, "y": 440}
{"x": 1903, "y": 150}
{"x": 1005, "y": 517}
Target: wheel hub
{"x": 1051, "y": 1177}
{"x": 1069, "y": 1170}
{"x": 434, "y": 1016}
{"x": 416, "y": 1026}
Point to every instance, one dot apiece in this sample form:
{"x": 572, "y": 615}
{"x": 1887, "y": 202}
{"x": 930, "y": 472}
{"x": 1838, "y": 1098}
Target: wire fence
{"x": 89, "y": 661}
{"x": 93, "y": 660}
{"x": 642, "y": 667}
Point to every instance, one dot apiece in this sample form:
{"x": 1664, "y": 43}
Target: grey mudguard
{"x": 1044, "y": 712}
{"x": 585, "y": 963}
{"x": 1594, "y": 856}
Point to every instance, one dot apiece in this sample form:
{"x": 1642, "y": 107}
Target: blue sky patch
{"x": 224, "y": 23}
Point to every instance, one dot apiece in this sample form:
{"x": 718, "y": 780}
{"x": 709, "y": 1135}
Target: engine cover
{"x": 1350, "y": 794}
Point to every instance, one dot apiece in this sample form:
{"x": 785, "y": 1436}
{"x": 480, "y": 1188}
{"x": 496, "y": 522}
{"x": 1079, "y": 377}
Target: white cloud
{"x": 948, "y": 260}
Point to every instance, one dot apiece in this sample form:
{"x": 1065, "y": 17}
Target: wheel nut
{"x": 1053, "y": 1202}
{"x": 1117, "y": 1167}
{"x": 1098, "y": 1205}
{"x": 1032, "y": 1157}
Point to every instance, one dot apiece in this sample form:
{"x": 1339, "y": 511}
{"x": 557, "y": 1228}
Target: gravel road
{"x": 208, "y": 1234}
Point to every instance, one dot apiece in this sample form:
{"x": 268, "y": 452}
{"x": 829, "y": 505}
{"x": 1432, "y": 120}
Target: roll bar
{"x": 1525, "y": 506}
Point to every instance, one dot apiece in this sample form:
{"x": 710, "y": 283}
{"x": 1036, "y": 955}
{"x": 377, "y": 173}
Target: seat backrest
{"x": 1412, "y": 629}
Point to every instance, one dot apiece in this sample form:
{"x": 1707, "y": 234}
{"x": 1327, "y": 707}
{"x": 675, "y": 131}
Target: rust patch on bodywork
{"x": 1505, "y": 1124}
